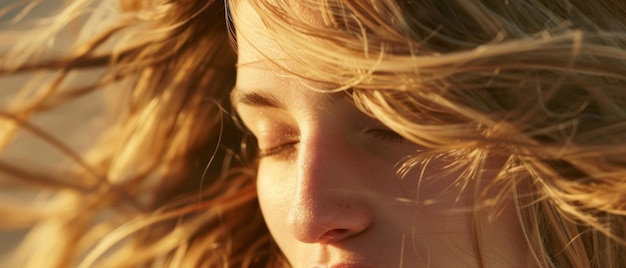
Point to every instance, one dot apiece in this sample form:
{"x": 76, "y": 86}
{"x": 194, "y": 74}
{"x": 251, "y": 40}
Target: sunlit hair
{"x": 539, "y": 84}
{"x": 165, "y": 184}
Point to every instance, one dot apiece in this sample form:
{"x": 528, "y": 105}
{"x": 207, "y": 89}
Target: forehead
{"x": 262, "y": 61}
{"x": 255, "y": 42}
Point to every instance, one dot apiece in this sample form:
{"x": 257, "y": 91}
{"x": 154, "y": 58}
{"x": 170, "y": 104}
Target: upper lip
{"x": 343, "y": 265}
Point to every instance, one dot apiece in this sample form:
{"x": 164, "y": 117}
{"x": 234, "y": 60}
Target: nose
{"x": 328, "y": 205}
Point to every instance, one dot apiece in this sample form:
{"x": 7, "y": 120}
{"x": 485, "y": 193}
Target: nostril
{"x": 334, "y": 235}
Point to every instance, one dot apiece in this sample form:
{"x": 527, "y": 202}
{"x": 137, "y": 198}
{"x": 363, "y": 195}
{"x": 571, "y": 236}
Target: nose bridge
{"x": 327, "y": 205}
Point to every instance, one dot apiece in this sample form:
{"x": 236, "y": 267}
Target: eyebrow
{"x": 254, "y": 98}
{"x": 265, "y": 99}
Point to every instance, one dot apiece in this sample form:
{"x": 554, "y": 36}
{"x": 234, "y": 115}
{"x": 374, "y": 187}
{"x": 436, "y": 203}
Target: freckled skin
{"x": 329, "y": 191}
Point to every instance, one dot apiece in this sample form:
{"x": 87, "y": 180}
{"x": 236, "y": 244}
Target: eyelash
{"x": 387, "y": 135}
{"x": 383, "y": 134}
{"x": 277, "y": 151}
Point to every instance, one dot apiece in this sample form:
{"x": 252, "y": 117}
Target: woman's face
{"x": 327, "y": 181}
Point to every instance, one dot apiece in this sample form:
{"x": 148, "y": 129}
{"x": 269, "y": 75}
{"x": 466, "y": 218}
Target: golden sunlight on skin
{"x": 328, "y": 186}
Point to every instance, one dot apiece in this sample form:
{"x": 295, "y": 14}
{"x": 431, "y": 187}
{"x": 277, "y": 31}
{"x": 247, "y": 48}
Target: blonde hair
{"x": 165, "y": 185}
{"x": 539, "y": 83}
{"x": 170, "y": 184}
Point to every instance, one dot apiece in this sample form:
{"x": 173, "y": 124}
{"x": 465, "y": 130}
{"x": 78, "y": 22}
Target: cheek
{"x": 434, "y": 187}
{"x": 273, "y": 198}
{"x": 442, "y": 185}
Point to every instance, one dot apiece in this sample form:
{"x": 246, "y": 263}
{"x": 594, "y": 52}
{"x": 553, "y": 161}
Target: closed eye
{"x": 283, "y": 150}
{"x": 386, "y": 135}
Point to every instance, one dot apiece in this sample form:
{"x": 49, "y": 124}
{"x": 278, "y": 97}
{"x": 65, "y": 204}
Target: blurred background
{"x": 74, "y": 123}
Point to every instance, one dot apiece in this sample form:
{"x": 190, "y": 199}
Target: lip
{"x": 343, "y": 265}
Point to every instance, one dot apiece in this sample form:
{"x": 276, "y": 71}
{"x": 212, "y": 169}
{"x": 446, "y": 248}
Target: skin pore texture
{"x": 328, "y": 184}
